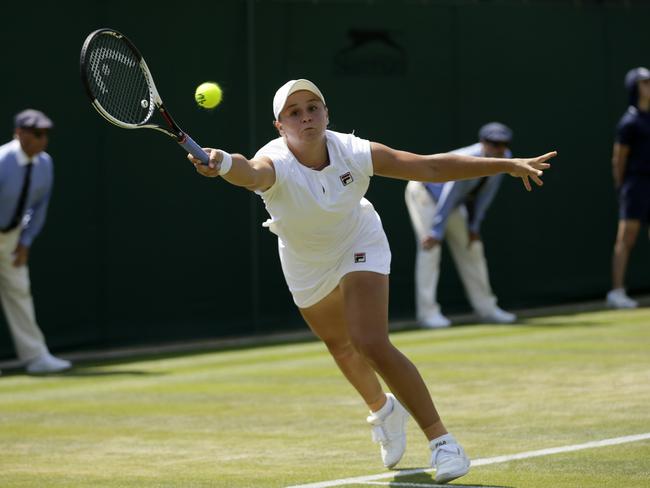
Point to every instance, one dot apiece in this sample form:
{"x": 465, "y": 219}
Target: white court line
{"x": 409, "y": 485}
{"x": 360, "y": 480}
{"x": 403, "y": 484}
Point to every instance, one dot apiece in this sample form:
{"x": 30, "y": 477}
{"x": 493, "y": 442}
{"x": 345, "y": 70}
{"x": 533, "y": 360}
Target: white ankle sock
{"x": 385, "y": 410}
{"x": 443, "y": 439}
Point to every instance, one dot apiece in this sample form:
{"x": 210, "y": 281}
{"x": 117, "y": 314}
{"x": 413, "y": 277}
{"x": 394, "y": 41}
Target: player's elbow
{"x": 259, "y": 176}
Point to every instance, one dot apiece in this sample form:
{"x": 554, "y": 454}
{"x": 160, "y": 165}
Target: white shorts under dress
{"x": 325, "y": 227}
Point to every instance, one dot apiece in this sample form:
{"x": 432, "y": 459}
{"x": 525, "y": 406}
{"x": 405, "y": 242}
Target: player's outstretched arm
{"x": 450, "y": 166}
{"x": 254, "y": 175}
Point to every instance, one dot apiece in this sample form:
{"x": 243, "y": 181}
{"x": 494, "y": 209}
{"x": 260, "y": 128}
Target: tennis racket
{"x": 121, "y": 88}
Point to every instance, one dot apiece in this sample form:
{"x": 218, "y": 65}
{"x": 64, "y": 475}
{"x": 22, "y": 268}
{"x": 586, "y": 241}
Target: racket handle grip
{"x": 193, "y": 148}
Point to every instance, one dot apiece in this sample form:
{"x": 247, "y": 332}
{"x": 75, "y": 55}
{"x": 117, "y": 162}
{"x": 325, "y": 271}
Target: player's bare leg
{"x": 365, "y": 297}
{"x": 388, "y": 417}
{"x": 327, "y": 321}
{"x": 353, "y": 323}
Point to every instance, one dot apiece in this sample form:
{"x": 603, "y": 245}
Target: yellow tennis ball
{"x": 208, "y": 94}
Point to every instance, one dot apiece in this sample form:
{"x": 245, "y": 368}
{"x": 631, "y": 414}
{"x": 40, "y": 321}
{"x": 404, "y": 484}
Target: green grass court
{"x": 281, "y": 415}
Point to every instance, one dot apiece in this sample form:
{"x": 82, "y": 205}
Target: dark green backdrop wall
{"x": 139, "y": 249}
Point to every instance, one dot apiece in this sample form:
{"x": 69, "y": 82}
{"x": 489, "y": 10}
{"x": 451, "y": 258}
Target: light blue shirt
{"x": 452, "y": 194}
{"x": 12, "y": 174}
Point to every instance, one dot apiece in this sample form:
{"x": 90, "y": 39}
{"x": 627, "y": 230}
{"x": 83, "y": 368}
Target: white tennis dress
{"x": 325, "y": 226}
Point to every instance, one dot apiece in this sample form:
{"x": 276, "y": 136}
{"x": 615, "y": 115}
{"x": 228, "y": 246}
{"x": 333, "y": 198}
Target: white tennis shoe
{"x": 434, "y": 321}
{"x": 498, "y": 316}
{"x": 448, "y": 458}
{"x": 46, "y": 363}
{"x": 389, "y": 430}
{"x": 617, "y": 298}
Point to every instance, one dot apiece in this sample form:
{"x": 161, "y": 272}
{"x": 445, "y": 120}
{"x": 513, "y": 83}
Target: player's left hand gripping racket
{"x": 122, "y": 90}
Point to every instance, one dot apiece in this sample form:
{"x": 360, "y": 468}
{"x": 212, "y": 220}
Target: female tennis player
{"x": 335, "y": 255}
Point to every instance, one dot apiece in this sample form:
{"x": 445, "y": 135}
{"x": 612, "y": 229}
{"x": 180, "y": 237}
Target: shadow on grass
{"x": 425, "y": 480}
{"x": 74, "y": 372}
{"x": 540, "y": 322}
{"x": 549, "y": 322}
{"x": 80, "y": 372}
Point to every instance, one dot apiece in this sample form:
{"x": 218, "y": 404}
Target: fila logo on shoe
{"x": 346, "y": 178}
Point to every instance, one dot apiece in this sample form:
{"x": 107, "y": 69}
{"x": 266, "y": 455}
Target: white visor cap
{"x": 292, "y": 86}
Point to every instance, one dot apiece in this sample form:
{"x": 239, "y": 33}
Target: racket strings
{"x": 117, "y": 80}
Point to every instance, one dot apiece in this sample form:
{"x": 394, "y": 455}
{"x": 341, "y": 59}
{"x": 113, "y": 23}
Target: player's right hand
{"x": 211, "y": 170}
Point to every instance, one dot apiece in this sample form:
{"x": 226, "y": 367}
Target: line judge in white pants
{"x": 25, "y": 187}
{"x": 453, "y": 211}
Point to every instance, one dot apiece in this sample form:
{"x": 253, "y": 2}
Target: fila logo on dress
{"x": 346, "y": 178}
{"x": 359, "y": 257}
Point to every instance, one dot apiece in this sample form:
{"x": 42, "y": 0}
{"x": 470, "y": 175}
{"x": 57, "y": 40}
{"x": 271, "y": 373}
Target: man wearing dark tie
{"x": 25, "y": 188}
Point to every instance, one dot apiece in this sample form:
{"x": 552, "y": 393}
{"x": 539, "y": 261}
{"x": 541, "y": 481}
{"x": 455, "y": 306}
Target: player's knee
{"x": 340, "y": 350}
{"x": 371, "y": 348}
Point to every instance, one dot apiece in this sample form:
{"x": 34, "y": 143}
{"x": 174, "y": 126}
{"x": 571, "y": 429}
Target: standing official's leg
{"x": 422, "y": 209}
{"x": 17, "y": 303}
{"x": 626, "y": 236}
{"x": 18, "y": 307}
{"x": 471, "y": 264}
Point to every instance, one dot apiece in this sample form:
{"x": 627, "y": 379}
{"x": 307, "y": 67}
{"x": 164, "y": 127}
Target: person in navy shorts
{"x": 631, "y": 171}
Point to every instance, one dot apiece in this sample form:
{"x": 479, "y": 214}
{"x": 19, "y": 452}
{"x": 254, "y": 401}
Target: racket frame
{"x": 172, "y": 129}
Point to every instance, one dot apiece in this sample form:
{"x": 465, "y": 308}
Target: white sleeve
{"x": 280, "y": 157}
{"x": 361, "y": 154}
